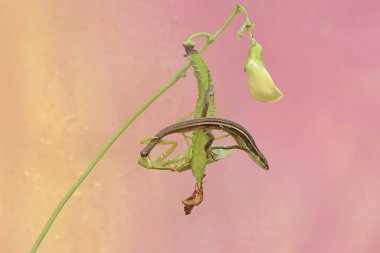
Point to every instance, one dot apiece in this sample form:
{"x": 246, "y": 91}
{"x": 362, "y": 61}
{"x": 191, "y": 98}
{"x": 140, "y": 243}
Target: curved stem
{"x": 181, "y": 73}
{"x": 244, "y": 11}
{"x": 248, "y": 25}
{"x": 190, "y": 41}
{"x": 228, "y": 21}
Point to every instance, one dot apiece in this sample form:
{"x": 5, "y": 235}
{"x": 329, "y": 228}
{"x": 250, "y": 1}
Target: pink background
{"x": 71, "y": 72}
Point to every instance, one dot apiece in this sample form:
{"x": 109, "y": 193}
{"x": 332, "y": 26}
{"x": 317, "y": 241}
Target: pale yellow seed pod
{"x": 261, "y": 85}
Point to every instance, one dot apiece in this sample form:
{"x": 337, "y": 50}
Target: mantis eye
{"x": 261, "y": 85}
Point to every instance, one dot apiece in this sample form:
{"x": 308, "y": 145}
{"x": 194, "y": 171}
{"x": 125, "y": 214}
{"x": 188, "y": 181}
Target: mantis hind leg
{"x": 222, "y": 136}
{"x": 185, "y": 117}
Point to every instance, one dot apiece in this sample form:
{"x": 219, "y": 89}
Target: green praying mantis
{"x": 200, "y": 151}
{"x": 205, "y": 107}
{"x": 195, "y": 156}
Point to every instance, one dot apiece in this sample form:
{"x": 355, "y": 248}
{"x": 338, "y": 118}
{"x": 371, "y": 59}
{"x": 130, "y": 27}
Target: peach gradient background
{"x": 71, "y": 72}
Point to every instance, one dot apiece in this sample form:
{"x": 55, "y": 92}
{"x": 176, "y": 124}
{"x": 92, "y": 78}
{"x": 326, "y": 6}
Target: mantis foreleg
{"x": 162, "y": 142}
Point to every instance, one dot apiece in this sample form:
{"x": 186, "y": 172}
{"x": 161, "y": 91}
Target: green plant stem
{"x": 251, "y": 36}
{"x": 247, "y": 25}
{"x": 181, "y": 73}
{"x": 190, "y": 41}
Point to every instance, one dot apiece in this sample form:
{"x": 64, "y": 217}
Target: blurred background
{"x": 71, "y": 72}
